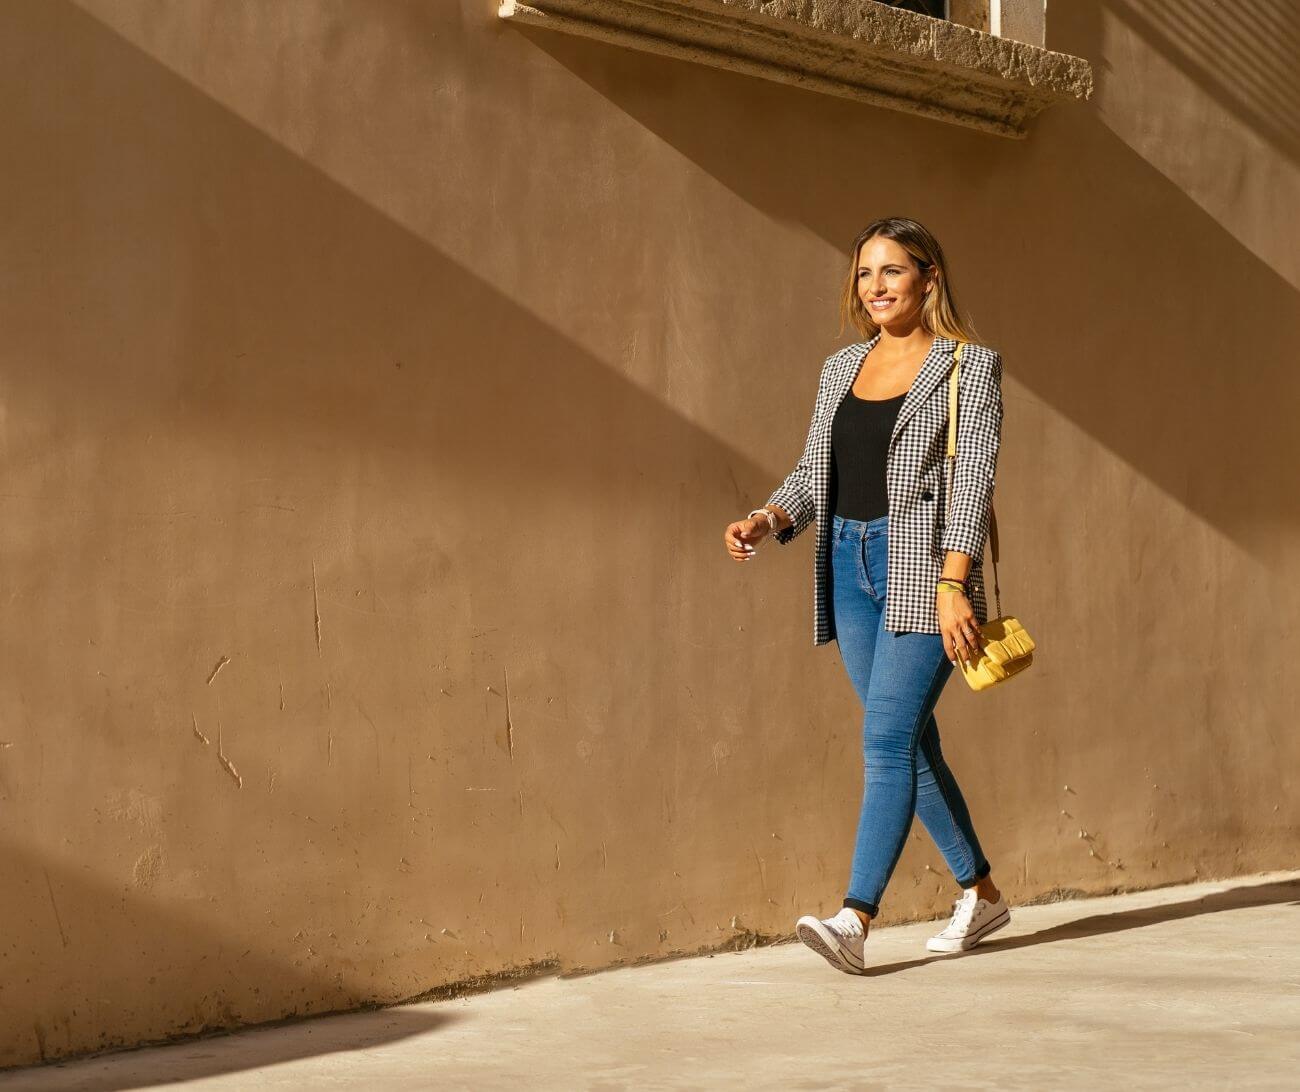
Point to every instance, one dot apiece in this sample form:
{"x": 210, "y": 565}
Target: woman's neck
{"x": 912, "y": 343}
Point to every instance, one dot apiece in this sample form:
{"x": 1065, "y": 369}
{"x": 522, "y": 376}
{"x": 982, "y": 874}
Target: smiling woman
{"x": 894, "y": 260}
{"x": 897, "y": 569}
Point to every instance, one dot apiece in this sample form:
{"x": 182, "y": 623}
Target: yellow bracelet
{"x": 946, "y": 587}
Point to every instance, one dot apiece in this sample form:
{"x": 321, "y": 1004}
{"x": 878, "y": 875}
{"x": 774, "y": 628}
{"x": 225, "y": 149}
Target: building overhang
{"x": 855, "y": 49}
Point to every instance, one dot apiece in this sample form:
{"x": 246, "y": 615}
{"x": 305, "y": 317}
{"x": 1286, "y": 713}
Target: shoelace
{"x": 963, "y": 909}
{"x": 847, "y": 925}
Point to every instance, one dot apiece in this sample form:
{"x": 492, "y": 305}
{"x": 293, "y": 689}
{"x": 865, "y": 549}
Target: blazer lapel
{"x": 847, "y": 374}
{"x": 934, "y": 369}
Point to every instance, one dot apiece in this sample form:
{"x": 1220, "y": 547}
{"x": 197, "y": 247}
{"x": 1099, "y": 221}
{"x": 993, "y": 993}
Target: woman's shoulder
{"x": 981, "y": 359}
{"x": 978, "y": 350}
{"x": 842, "y": 357}
{"x": 846, "y": 354}
{"x": 974, "y": 352}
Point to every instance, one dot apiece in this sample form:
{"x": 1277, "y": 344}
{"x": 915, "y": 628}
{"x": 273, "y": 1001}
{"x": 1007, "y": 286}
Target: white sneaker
{"x": 839, "y": 939}
{"x": 972, "y": 920}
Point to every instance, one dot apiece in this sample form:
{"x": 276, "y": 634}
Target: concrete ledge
{"x": 855, "y": 49}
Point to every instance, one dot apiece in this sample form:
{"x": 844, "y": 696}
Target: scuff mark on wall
{"x": 510, "y": 728}
{"x": 55, "y": 906}
{"x": 226, "y": 764}
{"x": 551, "y": 815}
{"x": 230, "y": 769}
{"x": 220, "y": 664}
{"x": 374, "y": 732}
{"x": 135, "y": 806}
{"x": 315, "y": 602}
{"x": 147, "y": 868}
{"x": 197, "y": 733}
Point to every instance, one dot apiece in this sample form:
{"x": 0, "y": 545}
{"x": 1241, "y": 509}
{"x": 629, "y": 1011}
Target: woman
{"x": 898, "y": 589}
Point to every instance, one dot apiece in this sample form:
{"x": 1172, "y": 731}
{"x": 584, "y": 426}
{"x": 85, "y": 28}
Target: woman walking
{"x": 898, "y": 589}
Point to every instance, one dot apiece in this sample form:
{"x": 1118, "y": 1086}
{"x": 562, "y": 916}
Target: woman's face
{"x": 890, "y": 284}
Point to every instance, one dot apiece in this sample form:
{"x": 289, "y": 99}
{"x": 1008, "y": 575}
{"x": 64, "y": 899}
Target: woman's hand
{"x": 743, "y": 537}
{"x": 960, "y": 628}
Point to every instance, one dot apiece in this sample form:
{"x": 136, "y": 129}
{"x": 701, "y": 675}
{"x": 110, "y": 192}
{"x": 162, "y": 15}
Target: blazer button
{"x": 927, "y": 495}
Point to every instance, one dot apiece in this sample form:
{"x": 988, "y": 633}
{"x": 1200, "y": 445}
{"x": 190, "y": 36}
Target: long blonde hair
{"x": 939, "y": 313}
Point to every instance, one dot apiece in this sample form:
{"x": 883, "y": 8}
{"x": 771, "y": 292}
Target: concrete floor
{"x": 1186, "y": 986}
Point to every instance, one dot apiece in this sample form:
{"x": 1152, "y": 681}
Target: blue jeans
{"x": 898, "y": 678}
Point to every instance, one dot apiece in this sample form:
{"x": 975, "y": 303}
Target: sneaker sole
{"x": 811, "y": 934}
{"x": 966, "y": 943}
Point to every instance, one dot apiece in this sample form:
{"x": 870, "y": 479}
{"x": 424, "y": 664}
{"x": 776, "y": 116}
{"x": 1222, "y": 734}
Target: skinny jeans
{"x": 898, "y": 678}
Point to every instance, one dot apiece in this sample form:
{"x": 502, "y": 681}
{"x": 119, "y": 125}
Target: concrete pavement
{"x": 1184, "y": 986}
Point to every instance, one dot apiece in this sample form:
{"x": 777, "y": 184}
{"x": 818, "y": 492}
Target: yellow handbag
{"x": 1007, "y": 648}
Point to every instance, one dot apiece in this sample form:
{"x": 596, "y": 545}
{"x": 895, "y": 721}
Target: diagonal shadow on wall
{"x": 1084, "y": 265}
{"x": 70, "y": 911}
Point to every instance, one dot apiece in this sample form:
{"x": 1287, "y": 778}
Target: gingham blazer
{"x": 915, "y": 480}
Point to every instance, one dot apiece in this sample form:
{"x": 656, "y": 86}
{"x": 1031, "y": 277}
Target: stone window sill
{"x": 855, "y": 49}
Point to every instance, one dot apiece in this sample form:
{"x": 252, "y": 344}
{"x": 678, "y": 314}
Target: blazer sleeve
{"x": 795, "y": 494}
{"x": 979, "y": 436}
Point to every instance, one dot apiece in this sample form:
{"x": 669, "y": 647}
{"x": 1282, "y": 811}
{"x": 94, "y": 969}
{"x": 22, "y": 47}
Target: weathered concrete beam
{"x": 855, "y": 49}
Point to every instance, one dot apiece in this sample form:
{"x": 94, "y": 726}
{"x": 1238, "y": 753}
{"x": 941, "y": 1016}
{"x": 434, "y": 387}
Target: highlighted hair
{"x": 939, "y": 313}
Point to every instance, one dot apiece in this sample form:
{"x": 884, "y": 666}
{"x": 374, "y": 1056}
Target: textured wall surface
{"x": 376, "y": 382}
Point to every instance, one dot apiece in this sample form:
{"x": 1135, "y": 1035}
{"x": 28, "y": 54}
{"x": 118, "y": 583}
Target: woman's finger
{"x": 960, "y": 643}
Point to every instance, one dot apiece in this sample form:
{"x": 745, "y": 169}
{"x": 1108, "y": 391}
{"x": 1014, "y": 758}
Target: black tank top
{"x": 859, "y": 444}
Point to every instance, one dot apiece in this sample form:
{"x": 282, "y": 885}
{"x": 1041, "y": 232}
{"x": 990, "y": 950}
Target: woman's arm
{"x": 794, "y": 496}
{"x": 979, "y": 435}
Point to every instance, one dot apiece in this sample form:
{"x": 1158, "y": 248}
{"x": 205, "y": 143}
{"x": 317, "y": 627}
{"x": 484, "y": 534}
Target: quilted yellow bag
{"x": 1007, "y": 647}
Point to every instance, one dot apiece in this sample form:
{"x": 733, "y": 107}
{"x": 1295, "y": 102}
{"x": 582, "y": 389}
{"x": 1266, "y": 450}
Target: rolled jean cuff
{"x": 865, "y": 907}
{"x": 980, "y": 873}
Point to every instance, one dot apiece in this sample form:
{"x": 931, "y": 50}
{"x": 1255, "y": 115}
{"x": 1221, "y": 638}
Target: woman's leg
{"x": 858, "y": 588}
{"x": 898, "y": 678}
{"x": 858, "y": 605}
{"x": 908, "y": 674}
{"x": 942, "y": 809}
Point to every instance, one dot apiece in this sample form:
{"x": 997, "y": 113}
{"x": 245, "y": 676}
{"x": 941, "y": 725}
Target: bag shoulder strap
{"x": 952, "y": 454}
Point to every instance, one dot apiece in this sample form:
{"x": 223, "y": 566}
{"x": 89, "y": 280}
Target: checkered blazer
{"x": 915, "y": 481}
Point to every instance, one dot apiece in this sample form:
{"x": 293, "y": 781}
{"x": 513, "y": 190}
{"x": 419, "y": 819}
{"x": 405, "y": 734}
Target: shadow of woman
{"x": 1216, "y": 902}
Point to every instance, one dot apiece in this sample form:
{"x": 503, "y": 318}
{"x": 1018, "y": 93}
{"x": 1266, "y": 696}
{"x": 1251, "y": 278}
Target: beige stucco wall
{"x": 377, "y": 380}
